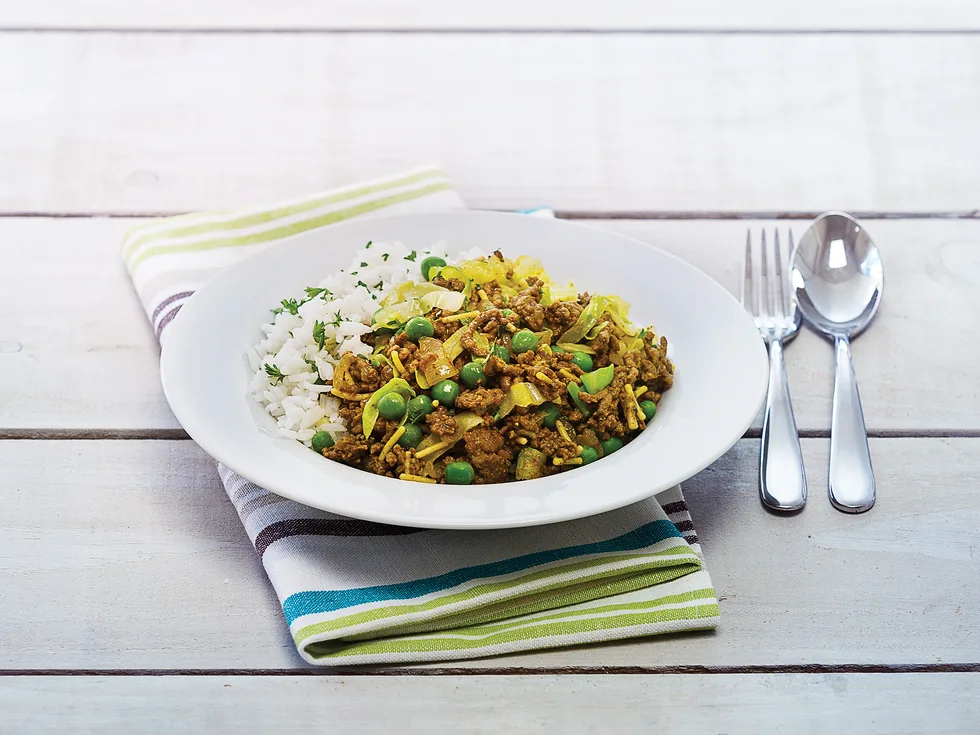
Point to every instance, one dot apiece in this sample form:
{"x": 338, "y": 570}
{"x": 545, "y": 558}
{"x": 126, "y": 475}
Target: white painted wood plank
{"x": 126, "y": 554}
{"x": 800, "y": 704}
{"x": 173, "y": 122}
{"x": 510, "y": 14}
{"x": 128, "y": 551}
{"x": 88, "y": 358}
{"x": 90, "y": 362}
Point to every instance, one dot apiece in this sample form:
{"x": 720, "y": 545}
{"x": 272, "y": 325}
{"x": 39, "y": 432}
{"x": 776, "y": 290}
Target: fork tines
{"x": 777, "y": 303}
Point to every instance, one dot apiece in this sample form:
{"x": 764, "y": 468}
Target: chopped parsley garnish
{"x": 312, "y": 293}
{"x": 316, "y": 371}
{"x": 291, "y": 306}
{"x": 384, "y": 256}
{"x": 274, "y": 372}
{"x": 318, "y": 334}
{"x": 369, "y": 244}
{"x": 363, "y": 265}
{"x": 411, "y": 256}
{"x": 336, "y": 320}
{"x": 362, "y": 283}
{"x": 380, "y": 284}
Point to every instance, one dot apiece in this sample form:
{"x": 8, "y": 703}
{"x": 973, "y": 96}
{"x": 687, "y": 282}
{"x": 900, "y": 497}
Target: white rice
{"x": 300, "y": 406}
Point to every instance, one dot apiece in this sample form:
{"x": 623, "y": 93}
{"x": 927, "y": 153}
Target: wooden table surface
{"x": 130, "y": 597}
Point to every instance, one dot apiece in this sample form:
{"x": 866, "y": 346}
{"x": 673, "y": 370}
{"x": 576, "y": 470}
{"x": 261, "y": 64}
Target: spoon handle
{"x": 782, "y": 479}
{"x": 852, "y": 481}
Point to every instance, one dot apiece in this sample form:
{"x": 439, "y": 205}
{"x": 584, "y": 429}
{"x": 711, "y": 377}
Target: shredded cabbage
{"x": 525, "y": 266}
{"x": 598, "y": 379}
{"x": 573, "y": 392}
{"x": 570, "y": 347}
{"x": 520, "y": 394}
{"x": 586, "y": 320}
{"x": 408, "y": 291}
{"x": 464, "y": 422}
{"x": 619, "y": 310}
{"x": 414, "y": 299}
{"x": 438, "y": 368}
{"x": 553, "y": 292}
{"x": 444, "y": 299}
{"x": 369, "y": 416}
{"x": 391, "y": 317}
{"x": 453, "y": 346}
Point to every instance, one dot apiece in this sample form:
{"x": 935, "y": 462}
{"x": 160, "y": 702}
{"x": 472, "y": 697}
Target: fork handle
{"x": 782, "y": 479}
{"x": 852, "y": 481}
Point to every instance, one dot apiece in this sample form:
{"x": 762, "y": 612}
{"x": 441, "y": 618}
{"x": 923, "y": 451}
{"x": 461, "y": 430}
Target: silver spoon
{"x": 838, "y": 280}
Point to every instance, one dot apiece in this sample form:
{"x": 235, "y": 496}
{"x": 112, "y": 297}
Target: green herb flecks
{"x": 274, "y": 372}
{"x": 312, "y": 293}
{"x": 318, "y": 336}
{"x": 412, "y": 256}
{"x": 316, "y": 371}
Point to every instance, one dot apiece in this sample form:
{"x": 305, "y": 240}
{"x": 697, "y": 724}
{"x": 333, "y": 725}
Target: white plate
{"x": 720, "y": 382}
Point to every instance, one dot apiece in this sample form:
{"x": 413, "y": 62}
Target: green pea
{"x": 418, "y": 407}
{"x": 649, "y": 409}
{"x": 583, "y": 361}
{"x": 411, "y": 438}
{"x": 506, "y": 312}
{"x": 589, "y": 455}
{"x": 472, "y": 374}
{"x": 418, "y": 327}
{"x": 446, "y": 392}
{"x": 430, "y": 263}
{"x": 392, "y": 406}
{"x": 610, "y": 445}
{"x": 524, "y": 341}
{"x": 459, "y": 473}
{"x": 502, "y": 352}
{"x": 321, "y": 440}
{"x": 551, "y": 413}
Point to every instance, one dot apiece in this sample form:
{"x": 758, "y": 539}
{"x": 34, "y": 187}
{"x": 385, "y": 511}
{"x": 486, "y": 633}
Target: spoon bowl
{"x": 837, "y": 275}
{"x": 837, "y": 281}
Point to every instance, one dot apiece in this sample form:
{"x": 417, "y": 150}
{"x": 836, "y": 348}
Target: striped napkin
{"x": 355, "y": 592}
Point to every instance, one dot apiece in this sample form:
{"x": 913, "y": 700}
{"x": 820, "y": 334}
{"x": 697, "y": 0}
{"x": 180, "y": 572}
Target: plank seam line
{"x": 652, "y": 214}
{"x": 911, "y": 668}
{"x": 470, "y": 31}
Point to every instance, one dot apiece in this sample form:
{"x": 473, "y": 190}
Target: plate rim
{"x": 455, "y": 523}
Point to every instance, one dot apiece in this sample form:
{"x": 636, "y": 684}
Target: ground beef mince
{"x": 561, "y": 315}
{"x": 350, "y": 449}
{"x": 480, "y": 400}
{"x": 489, "y": 454}
{"x": 365, "y": 375}
{"x": 441, "y": 422}
{"x": 520, "y": 403}
{"x": 528, "y": 307}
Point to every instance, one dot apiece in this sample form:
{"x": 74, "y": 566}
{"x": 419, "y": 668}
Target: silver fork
{"x": 782, "y": 479}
